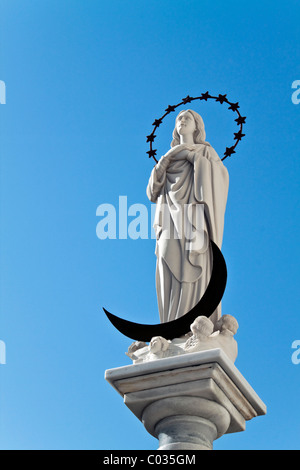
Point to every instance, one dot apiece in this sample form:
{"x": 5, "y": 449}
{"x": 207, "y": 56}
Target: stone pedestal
{"x": 188, "y": 401}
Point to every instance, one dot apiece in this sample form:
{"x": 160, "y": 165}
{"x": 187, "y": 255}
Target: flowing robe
{"x": 191, "y": 184}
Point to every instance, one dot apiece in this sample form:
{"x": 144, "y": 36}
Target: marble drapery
{"x": 190, "y": 190}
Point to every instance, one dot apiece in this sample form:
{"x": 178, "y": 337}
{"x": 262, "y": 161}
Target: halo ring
{"x": 240, "y": 120}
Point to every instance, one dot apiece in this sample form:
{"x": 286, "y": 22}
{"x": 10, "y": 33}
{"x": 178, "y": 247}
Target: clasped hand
{"x": 178, "y": 148}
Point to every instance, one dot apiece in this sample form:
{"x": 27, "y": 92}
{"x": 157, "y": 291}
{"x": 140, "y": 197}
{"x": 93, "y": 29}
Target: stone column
{"x": 186, "y": 422}
{"x": 188, "y": 401}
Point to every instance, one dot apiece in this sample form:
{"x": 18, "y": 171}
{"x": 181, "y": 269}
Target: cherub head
{"x": 227, "y": 323}
{"x": 202, "y": 327}
{"x": 158, "y": 344}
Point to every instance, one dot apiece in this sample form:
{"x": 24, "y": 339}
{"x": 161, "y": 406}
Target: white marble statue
{"x": 190, "y": 175}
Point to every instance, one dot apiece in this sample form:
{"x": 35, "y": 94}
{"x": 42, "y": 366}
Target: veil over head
{"x": 199, "y": 134}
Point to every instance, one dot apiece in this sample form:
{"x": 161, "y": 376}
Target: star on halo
{"x": 229, "y": 151}
{"x": 170, "y": 109}
{"x": 238, "y": 135}
{"x": 157, "y": 122}
{"x": 234, "y": 106}
{"x": 187, "y": 99}
{"x": 151, "y": 153}
{"x": 151, "y": 137}
{"x": 240, "y": 120}
{"x": 221, "y": 98}
{"x": 205, "y": 96}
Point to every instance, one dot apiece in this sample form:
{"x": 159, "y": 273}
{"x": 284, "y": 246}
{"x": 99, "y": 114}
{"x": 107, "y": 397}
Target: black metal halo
{"x": 240, "y": 120}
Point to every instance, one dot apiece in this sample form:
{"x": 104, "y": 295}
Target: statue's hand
{"x": 175, "y": 150}
{"x": 165, "y": 160}
{"x": 171, "y": 153}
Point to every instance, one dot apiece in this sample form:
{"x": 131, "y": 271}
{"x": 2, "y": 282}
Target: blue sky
{"x": 84, "y": 82}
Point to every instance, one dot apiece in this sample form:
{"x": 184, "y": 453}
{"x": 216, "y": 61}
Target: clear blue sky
{"x": 84, "y": 81}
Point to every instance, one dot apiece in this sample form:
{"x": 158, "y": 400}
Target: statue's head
{"x": 157, "y": 344}
{"x": 193, "y": 122}
{"x": 229, "y": 323}
{"x": 202, "y": 326}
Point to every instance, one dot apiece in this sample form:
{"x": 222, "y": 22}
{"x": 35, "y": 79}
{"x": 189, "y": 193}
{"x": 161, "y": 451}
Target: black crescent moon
{"x": 176, "y": 328}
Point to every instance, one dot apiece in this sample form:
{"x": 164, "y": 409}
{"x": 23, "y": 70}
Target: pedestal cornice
{"x": 203, "y": 387}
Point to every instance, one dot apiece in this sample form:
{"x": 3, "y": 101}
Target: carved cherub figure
{"x": 158, "y": 345}
{"x": 201, "y": 328}
{"x": 227, "y": 327}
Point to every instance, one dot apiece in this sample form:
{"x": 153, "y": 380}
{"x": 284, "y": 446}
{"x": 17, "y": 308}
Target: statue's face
{"x": 185, "y": 123}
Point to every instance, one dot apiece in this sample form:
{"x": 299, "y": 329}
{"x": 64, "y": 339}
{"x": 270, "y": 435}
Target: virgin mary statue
{"x": 189, "y": 185}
